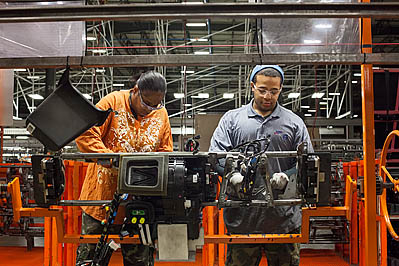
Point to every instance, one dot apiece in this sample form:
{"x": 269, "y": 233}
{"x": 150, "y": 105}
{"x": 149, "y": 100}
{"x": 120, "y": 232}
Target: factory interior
{"x": 340, "y": 78}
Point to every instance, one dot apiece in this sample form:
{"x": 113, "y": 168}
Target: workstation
{"x": 190, "y": 131}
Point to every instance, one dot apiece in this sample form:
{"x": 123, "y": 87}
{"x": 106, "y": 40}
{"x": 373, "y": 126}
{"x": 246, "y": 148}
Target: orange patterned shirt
{"x": 119, "y": 134}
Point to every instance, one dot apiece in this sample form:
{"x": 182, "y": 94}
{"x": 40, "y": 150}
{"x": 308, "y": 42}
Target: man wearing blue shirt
{"x": 263, "y": 117}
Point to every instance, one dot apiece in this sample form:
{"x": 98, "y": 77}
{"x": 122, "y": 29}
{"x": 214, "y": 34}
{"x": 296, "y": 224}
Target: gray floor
{"x": 19, "y": 241}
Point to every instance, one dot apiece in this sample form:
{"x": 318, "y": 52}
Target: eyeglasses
{"x": 263, "y": 92}
{"x": 149, "y": 107}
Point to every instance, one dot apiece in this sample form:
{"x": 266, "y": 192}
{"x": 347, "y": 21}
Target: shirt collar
{"x": 252, "y": 113}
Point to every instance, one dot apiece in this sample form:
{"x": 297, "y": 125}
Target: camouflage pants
{"x": 251, "y": 254}
{"x": 137, "y": 255}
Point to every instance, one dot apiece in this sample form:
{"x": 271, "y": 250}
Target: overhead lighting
{"x": 98, "y": 51}
{"x": 294, "y": 94}
{"x": 16, "y": 118}
{"x": 343, "y": 115}
{"x": 187, "y": 72}
{"x": 323, "y": 103}
{"x": 118, "y": 85}
{"x": 178, "y": 95}
{"x": 354, "y": 116}
{"x": 33, "y": 77}
{"x": 201, "y": 52}
{"x": 354, "y": 81}
{"x": 312, "y": 41}
{"x": 192, "y": 3}
{"x": 36, "y": 96}
{"x": 228, "y": 95}
{"x": 22, "y": 137}
{"x": 357, "y": 74}
{"x": 312, "y": 111}
{"x": 323, "y": 108}
{"x": 334, "y": 94}
{"x": 196, "y": 24}
{"x": 305, "y": 106}
{"x": 6, "y": 137}
{"x": 318, "y": 95}
{"x": 327, "y": 98}
{"x": 87, "y": 96}
{"x": 187, "y": 104}
{"x": 199, "y": 40}
{"x": 100, "y": 70}
{"x": 201, "y": 96}
{"x": 308, "y": 114}
{"x": 323, "y": 26}
{"x": 20, "y": 69}
{"x": 329, "y": 127}
{"x": 201, "y": 113}
{"x": 90, "y": 38}
{"x": 376, "y": 68}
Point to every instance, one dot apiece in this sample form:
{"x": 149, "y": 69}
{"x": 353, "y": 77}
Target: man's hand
{"x": 279, "y": 181}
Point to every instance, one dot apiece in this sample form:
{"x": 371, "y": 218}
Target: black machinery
{"x": 168, "y": 190}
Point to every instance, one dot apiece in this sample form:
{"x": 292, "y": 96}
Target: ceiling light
{"x": 196, "y": 24}
{"x": 323, "y": 108}
{"x": 305, "y": 106}
{"x": 118, "y": 85}
{"x": 199, "y": 40}
{"x": 6, "y": 137}
{"x": 90, "y": 38}
{"x": 201, "y": 113}
{"x": 187, "y": 104}
{"x": 354, "y": 116}
{"x": 327, "y": 98}
{"x": 228, "y": 95}
{"x": 329, "y": 127}
{"x": 354, "y": 81}
{"x": 33, "y": 77}
{"x": 312, "y": 111}
{"x": 20, "y": 69}
{"x": 294, "y": 94}
{"x": 308, "y": 114}
{"x": 357, "y": 74}
{"x": 98, "y": 51}
{"x": 201, "y": 52}
{"x": 323, "y": 26}
{"x": 334, "y": 93}
{"x": 187, "y": 72}
{"x": 376, "y": 68}
{"x": 16, "y": 118}
{"x": 343, "y": 115}
{"x": 323, "y": 103}
{"x": 87, "y": 96}
{"x": 178, "y": 95}
{"x": 100, "y": 70}
{"x": 312, "y": 41}
{"x": 318, "y": 95}
{"x": 22, "y": 137}
{"x": 36, "y": 96}
{"x": 201, "y": 96}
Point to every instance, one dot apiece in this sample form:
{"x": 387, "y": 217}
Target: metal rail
{"x": 199, "y": 11}
{"x": 199, "y": 60}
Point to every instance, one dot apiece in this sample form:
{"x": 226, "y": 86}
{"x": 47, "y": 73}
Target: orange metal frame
{"x": 58, "y": 215}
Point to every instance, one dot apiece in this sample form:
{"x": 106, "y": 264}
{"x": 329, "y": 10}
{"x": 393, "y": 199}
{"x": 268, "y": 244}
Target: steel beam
{"x": 199, "y": 11}
{"x": 199, "y": 60}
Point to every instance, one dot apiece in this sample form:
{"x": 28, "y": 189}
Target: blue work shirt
{"x": 287, "y": 131}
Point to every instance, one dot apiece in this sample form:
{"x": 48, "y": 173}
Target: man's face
{"x": 266, "y": 91}
{"x": 147, "y": 101}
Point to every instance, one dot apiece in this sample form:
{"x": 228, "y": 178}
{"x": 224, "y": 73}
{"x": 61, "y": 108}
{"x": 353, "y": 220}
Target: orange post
{"x": 354, "y": 234}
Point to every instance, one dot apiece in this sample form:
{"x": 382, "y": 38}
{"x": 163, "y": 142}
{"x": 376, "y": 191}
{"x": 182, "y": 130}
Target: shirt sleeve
{"x": 221, "y": 138}
{"x": 166, "y": 144}
{"x": 302, "y": 135}
{"x": 92, "y": 140}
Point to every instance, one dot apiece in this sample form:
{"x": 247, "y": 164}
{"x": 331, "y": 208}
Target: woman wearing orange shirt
{"x": 141, "y": 125}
